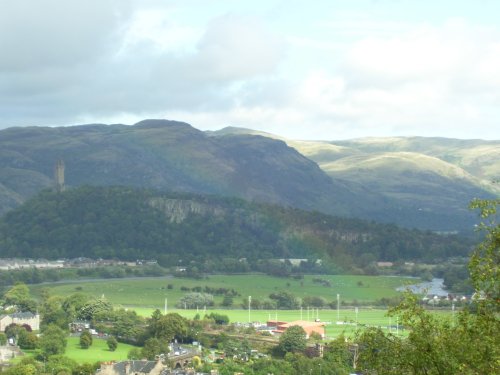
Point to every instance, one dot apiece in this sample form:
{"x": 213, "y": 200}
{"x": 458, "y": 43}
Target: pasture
{"x": 97, "y": 352}
{"x": 144, "y": 295}
{"x": 152, "y": 292}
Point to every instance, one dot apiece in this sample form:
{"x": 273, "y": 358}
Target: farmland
{"x": 152, "y": 292}
{"x": 144, "y": 295}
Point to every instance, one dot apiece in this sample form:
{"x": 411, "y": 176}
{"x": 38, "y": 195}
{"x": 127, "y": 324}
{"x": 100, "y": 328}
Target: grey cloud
{"x": 66, "y": 64}
{"x": 50, "y": 33}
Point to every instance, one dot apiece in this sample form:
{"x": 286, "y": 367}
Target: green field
{"x": 346, "y": 322}
{"x": 144, "y": 295}
{"x": 151, "y": 292}
{"x": 97, "y": 352}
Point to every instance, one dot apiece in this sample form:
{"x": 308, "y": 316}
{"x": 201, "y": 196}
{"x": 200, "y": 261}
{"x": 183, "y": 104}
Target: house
{"x": 20, "y": 318}
{"x": 132, "y": 368}
{"x": 308, "y": 327}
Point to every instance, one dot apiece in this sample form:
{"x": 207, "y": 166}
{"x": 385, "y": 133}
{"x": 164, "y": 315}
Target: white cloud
{"x": 124, "y": 60}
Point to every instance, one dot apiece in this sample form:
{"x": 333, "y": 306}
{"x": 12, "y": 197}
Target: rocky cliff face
{"x": 178, "y": 210}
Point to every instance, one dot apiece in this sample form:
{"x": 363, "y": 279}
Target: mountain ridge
{"x": 175, "y": 156}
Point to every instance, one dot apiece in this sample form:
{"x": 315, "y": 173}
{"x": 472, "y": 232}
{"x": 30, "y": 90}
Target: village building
{"x": 20, "y": 318}
{"x": 132, "y": 367}
{"x": 279, "y": 327}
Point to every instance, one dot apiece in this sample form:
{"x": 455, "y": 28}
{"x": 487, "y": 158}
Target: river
{"x": 434, "y": 287}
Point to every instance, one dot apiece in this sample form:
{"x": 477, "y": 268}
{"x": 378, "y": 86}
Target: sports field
{"x": 346, "y": 323}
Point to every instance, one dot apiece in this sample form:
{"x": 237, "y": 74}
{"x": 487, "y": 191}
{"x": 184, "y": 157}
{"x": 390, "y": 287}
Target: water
{"x": 434, "y": 287}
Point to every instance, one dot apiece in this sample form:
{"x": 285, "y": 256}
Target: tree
{"x": 218, "y": 318}
{"x": 53, "y": 341}
{"x": 153, "y": 347}
{"x": 53, "y": 313}
{"x": 12, "y": 330}
{"x": 227, "y": 301}
{"x": 470, "y": 344}
{"x": 19, "y": 296}
{"x": 85, "y": 339}
{"x": 193, "y": 300}
{"x": 484, "y": 265}
{"x": 293, "y": 340}
{"x": 59, "y": 364}
{"x": 112, "y": 343}
{"x": 98, "y": 307}
{"x": 27, "y": 340}
{"x": 86, "y": 368}
{"x": 167, "y": 327}
{"x": 18, "y": 293}
{"x": 73, "y": 304}
{"x": 127, "y": 325}
{"x": 134, "y": 354}
{"x": 285, "y": 300}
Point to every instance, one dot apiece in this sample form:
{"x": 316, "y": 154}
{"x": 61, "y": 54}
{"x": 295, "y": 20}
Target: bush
{"x": 85, "y": 339}
{"x": 112, "y": 343}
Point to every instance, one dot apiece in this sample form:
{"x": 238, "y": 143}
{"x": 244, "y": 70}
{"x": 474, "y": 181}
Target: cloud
{"x": 126, "y": 64}
{"x": 52, "y": 33}
{"x": 124, "y": 60}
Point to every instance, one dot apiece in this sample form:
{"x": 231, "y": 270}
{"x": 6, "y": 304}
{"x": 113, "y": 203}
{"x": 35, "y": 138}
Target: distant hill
{"x": 126, "y": 223}
{"x": 165, "y": 155}
{"x": 421, "y": 183}
{"x": 414, "y": 181}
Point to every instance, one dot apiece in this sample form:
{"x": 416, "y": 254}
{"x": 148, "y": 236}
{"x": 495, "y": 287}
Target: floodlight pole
{"x": 453, "y": 314}
{"x": 338, "y": 307}
{"x": 166, "y": 306}
{"x": 249, "y": 307}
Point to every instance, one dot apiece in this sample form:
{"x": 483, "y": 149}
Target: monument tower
{"x": 59, "y": 175}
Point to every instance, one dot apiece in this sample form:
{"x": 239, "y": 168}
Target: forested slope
{"x": 127, "y": 223}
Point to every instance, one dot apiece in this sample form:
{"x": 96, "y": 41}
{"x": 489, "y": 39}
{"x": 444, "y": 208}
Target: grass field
{"x": 97, "y": 352}
{"x": 151, "y": 292}
{"x": 347, "y": 323}
{"x": 144, "y": 295}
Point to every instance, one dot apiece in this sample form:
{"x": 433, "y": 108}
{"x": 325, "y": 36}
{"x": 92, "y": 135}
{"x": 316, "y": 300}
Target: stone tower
{"x": 59, "y": 175}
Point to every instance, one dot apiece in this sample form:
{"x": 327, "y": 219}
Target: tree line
{"x": 121, "y": 222}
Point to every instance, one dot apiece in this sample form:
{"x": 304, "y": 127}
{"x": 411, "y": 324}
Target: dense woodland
{"x": 183, "y": 229}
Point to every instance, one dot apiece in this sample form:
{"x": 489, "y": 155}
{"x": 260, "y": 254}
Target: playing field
{"x": 348, "y": 320}
{"x": 152, "y": 292}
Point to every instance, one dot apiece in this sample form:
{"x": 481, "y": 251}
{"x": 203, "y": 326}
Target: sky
{"x": 312, "y": 70}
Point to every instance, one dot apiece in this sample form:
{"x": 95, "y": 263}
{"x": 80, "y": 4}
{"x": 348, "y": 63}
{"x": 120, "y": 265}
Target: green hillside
{"x": 424, "y": 183}
{"x": 166, "y": 155}
{"x": 124, "y": 223}
{"x": 413, "y": 181}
